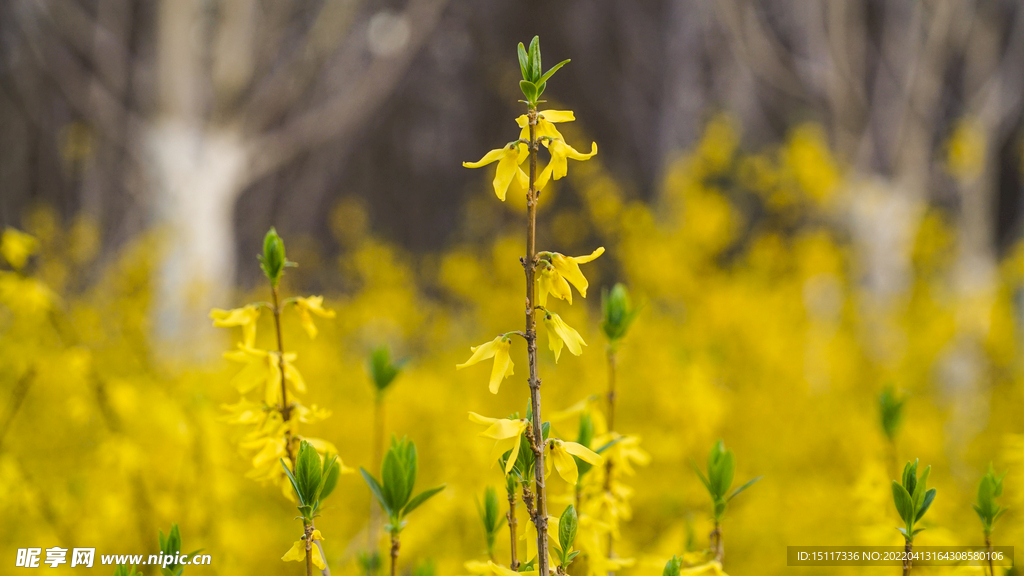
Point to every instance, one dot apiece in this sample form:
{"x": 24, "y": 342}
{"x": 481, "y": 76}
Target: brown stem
{"x": 988, "y": 549}
{"x": 512, "y": 526}
{"x": 285, "y": 407}
{"x": 394, "y": 553}
{"x": 611, "y": 427}
{"x": 717, "y": 543}
{"x": 309, "y": 549}
{"x": 540, "y": 511}
{"x": 907, "y": 549}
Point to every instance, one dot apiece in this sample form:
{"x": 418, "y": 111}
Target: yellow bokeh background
{"x": 761, "y": 335}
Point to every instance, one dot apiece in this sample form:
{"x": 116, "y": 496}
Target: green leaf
{"x": 393, "y": 477}
{"x": 910, "y": 476}
{"x": 375, "y": 487}
{"x": 529, "y": 90}
{"x": 920, "y": 487}
{"x": 925, "y": 504}
{"x": 421, "y": 498}
{"x": 572, "y": 556}
{"x": 700, "y": 475}
{"x": 552, "y": 71}
{"x": 534, "y": 53}
{"x": 524, "y": 62}
{"x": 383, "y": 370}
{"x": 330, "y": 479}
{"x": 904, "y": 505}
{"x": 742, "y": 488}
{"x": 616, "y": 441}
{"x": 726, "y": 469}
{"x": 672, "y": 567}
{"x": 291, "y": 478}
{"x": 904, "y": 532}
{"x": 567, "y": 525}
{"x": 307, "y": 472}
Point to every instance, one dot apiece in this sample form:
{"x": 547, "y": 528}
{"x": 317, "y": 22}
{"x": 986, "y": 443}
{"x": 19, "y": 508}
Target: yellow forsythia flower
{"x": 489, "y": 568}
{"x": 314, "y": 305}
{"x": 562, "y": 452}
{"x": 560, "y": 333}
{"x": 297, "y": 553}
{"x": 245, "y": 317}
{"x": 16, "y": 247}
{"x": 506, "y": 432}
{"x": 508, "y": 159}
{"x": 497, "y": 349}
{"x": 546, "y": 121}
{"x": 262, "y": 369}
{"x": 560, "y": 153}
{"x": 569, "y": 268}
{"x": 549, "y": 281}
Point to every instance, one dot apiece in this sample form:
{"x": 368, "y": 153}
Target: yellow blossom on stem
{"x": 308, "y": 306}
{"x": 16, "y": 247}
{"x": 506, "y": 433}
{"x": 262, "y": 369}
{"x": 497, "y": 349}
{"x": 562, "y": 453}
{"x": 508, "y": 159}
{"x": 297, "y": 553}
{"x": 560, "y": 153}
{"x": 569, "y": 268}
{"x": 489, "y": 568}
{"x": 560, "y": 333}
{"x": 549, "y": 281}
{"x": 546, "y": 121}
{"x": 245, "y": 317}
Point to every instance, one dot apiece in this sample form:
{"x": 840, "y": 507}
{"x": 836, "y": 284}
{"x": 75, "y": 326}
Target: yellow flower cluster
{"x": 271, "y": 378}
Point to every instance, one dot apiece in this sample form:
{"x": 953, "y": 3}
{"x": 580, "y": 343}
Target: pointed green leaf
{"x": 535, "y": 64}
{"x": 552, "y": 71}
{"x": 291, "y": 478}
{"x": 742, "y": 488}
{"x": 330, "y": 479}
{"x": 567, "y": 525}
{"x": 421, "y": 498}
{"x": 904, "y": 505}
{"x": 524, "y": 62}
{"x": 375, "y": 487}
{"x": 707, "y": 484}
{"x": 926, "y": 502}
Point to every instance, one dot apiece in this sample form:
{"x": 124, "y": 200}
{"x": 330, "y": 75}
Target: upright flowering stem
{"x": 512, "y": 525}
{"x": 540, "y": 510}
{"x": 285, "y": 408}
{"x": 309, "y": 549}
{"x": 286, "y": 414}
{"x": 611, "y": 426}
{"x": 394, "y": 553}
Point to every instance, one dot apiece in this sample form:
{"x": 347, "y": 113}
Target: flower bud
{"x": 618, "y": 312}
{"x": 273, "y": 259}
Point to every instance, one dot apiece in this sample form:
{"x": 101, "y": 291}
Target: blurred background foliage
{"x": 813, "y": 202}
{"x": 761, "y": 336}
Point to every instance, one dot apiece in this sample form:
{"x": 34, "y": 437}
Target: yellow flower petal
{"x": 308, "y": 306}
{"x": 297, "y": 553}
{"x": 583, "y": 453}
{"x": 563, "y": 462}
{"x": 492, "y": 156}
{"x": 549, "y": 281}
{"x": 559, "y": 332}
{"x": 481, "y": 353}
{"x": 245, "y": 317}
{"x": 502, "y": 365}
{"x": 561, "y": 152}
{"x": 569, "y": 268}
